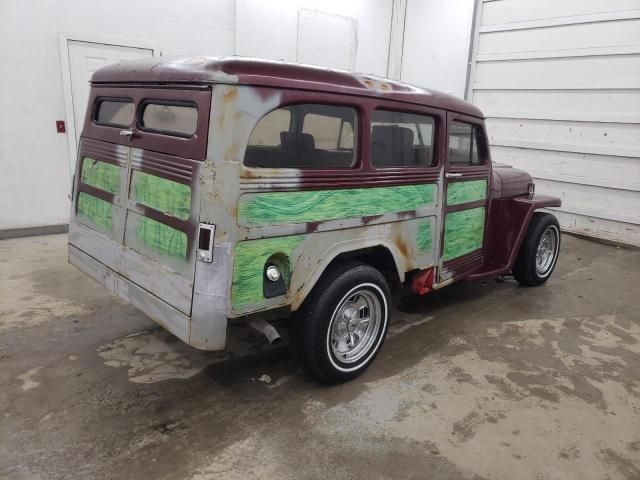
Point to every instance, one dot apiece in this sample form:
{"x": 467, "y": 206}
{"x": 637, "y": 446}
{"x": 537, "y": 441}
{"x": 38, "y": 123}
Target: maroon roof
{"x": 251, "y": 71}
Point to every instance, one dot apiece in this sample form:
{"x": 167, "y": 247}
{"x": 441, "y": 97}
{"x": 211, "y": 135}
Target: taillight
{"x": 205, "y": 242}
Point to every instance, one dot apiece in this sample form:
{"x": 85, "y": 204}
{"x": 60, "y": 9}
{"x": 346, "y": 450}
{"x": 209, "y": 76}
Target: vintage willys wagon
{"x": 210, "y": 191}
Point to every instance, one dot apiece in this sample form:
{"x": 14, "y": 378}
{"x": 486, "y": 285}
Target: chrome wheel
{"x": 355, "y": 325}
{"x": 547, "y": 251}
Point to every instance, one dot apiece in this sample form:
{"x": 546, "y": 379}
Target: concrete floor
{"x": 475, "y": 381}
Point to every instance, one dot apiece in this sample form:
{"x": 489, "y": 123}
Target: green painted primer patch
{"x": 463, "y": 232}
{"x": 464, "y": 192}
{"x": 164, "y": 195}
{"x": 424, "y": 239}
{"x": 248, "y": 265}
{"x": 102, "y": 175}
{"x": 314, "y": 206}
{"x": 162, "y": 238}
{"x": 96, "y": 210}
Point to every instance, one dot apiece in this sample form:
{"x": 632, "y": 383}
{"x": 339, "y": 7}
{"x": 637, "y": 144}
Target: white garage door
{"x": 560, "y": 84}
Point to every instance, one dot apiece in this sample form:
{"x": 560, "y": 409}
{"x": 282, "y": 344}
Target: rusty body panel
{"x": 141, "y": 200}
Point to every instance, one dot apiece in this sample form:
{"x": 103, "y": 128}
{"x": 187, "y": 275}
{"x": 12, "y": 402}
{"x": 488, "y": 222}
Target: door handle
{"x": 453, "y": 175}
{"x": 126, "y": 133}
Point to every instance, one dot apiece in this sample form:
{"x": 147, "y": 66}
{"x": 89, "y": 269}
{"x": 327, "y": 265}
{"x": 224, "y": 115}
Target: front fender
{"x": 509, "y": 220}
{"x": 528, "y": 205}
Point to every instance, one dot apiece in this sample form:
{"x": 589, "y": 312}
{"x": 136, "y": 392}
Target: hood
{"x": 509, "y": 181}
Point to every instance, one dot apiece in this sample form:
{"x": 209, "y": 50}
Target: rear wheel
{"x": 539, "y": 251}
{"x": 342, "y": 325}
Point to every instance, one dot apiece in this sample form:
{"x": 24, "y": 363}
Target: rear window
{"x": 304, "y": 136}
{"x": 172, "y": 118}
{"x": 400, "y": 139}
{"x": 115, "y": 112}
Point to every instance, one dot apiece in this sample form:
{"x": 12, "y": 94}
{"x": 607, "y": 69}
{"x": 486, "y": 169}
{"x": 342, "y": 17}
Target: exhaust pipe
{"x": 265, "y": 328}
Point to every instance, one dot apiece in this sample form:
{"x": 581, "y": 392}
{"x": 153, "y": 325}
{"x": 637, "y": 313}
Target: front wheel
{"x": 341, "y": 326}
{"x": 539, "y": 251}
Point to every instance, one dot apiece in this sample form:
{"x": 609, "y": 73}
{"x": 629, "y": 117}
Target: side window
{"x": 327, "y": 130}
{"x": 267, "y": 131}
{"x": 304, "y": 136}
{"x": 115, "y": 112}
{"x": 463, "y": 145}
{"x": 400, "y": 139}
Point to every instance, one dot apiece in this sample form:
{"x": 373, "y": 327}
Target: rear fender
{"x": 349, "y": 246}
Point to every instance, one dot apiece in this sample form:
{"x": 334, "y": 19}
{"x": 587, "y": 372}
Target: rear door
{"x": 137, "y": 192}
{"x": 466, "y": 187}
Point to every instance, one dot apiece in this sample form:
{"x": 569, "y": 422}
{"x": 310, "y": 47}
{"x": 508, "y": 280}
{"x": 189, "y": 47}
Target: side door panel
{"x": 466, "y": 190}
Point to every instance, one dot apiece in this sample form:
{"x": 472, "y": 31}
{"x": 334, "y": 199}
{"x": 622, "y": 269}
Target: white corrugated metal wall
{"x": 559, "y": 81}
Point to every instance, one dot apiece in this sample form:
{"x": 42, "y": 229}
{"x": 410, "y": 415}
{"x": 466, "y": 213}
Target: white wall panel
{"x": 508, "y": 11}
{"x": 619, "y": 139}
{"x": 269, "y": 29}
{"x": 618, "y": 173}
{"x": 597, "y": 202}
{"x": 560, "y": 84}
{"x": 579, "y": 105}
{"x": 557, "y": 39}
{"x": 436, "y": 44}
{"x": 598, "y": 227}
{"x": 337, "y": 34}
{"x": 611, "y": 71}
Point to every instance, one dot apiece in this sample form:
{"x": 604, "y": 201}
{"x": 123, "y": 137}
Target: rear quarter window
{"x": 304, "y": 136}
{"x": 171, "y": 118}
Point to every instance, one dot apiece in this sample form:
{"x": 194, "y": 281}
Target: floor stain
{"x": 28, "y": 382}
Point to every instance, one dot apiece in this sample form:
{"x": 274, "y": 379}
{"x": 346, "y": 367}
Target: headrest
{"x": 392, "y": 145}
{"x": 300, "y": 142}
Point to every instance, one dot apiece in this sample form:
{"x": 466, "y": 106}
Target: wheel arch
{"x": 375, "y": 252}
{"x": 533, "y": 205}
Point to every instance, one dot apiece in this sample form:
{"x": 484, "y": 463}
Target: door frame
{"x": 65, "y": 67}
{"x": 465, "y": 264}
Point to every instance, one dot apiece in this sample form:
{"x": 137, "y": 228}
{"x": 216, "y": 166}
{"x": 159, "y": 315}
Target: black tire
{"x": 525, "y": 270}
{"x": 312, "y": 323}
